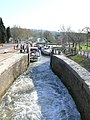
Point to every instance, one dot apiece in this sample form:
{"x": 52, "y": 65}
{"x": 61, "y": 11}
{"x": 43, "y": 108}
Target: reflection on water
{"x": 38, "y": 94}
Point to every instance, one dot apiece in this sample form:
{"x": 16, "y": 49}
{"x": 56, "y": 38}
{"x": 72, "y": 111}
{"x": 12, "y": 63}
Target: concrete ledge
{"x": 10, "y": 69}
{"x": 76, "y": 79}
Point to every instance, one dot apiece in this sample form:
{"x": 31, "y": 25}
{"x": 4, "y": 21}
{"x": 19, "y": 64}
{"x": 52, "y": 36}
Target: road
{"x": 6, "y": 51}
{"x": 6, "y": 46}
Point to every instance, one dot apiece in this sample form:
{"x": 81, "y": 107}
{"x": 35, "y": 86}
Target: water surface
{"x": 38, "y": 94}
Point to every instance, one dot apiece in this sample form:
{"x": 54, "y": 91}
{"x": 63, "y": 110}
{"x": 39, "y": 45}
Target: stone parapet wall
{"x": 76, "y": 79}
{"x": 10, "y": 69}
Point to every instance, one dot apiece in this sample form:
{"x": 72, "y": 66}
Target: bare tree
{"x": 87, "y": 31}
{"x": 72, "y": 38}
{"x": 19, "y": 33}
{"x": 49, "y": 36}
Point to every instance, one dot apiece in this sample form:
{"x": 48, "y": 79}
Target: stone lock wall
{"x": 10, "y": 69}
{"x": 76, "y": 79}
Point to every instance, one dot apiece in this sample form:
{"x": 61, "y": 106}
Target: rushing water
{"x": 38, "y": 94}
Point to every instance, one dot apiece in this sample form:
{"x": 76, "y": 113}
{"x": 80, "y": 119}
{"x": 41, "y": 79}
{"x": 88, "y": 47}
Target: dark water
{"x": 38, "y": 94}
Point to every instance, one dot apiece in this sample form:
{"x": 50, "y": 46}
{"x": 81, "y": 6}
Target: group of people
{"x": 24, "y": 48}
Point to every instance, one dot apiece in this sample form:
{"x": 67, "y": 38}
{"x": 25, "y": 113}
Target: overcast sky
{"x": 46, "y": 14}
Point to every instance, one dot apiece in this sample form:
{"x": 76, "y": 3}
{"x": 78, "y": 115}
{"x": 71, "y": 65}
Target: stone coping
{"x": 5, "y": 64}
{"x": 78, "y": 70}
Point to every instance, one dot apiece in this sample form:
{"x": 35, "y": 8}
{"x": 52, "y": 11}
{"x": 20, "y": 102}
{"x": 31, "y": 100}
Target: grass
{"x": 84, "y": 62}
{"x": 84, "y": 46}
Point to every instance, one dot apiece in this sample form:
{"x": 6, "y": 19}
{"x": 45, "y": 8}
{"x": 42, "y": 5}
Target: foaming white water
{"x": 38, "y": 94}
